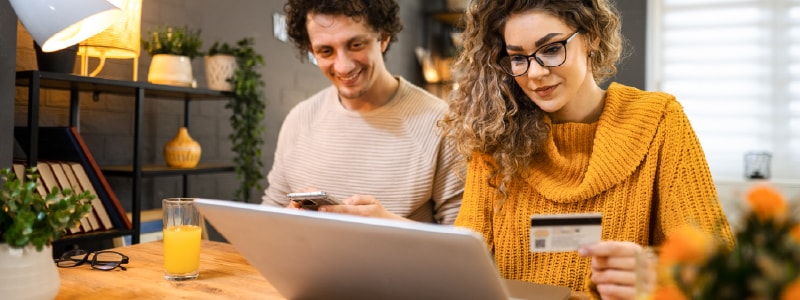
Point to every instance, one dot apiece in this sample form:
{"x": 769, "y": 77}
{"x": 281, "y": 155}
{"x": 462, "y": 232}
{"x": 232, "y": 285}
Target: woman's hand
{"x": 361, "y": 205}
{"x": 614, "y": 266}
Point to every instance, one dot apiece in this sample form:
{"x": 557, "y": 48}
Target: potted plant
{"x": 247, "y": 106}
{"x": 172, "y": 49}
{"x": 764, "y": 263}
{"x": 220, "y": 63}
{"x": 29, "y": 223}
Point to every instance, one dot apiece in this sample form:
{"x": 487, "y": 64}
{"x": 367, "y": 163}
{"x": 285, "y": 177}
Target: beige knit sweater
{"x": 395, "y": 153}
{"x": 641, "y": 159}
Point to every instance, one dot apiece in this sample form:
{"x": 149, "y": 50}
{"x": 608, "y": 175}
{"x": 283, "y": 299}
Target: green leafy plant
{"x": 174, "y": 40}
{"x": 27, "y": 218}
{"x": 221, "y": 49}
{"x": 247, "y": 106}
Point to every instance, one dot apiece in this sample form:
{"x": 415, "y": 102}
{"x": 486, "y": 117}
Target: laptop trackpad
{"x": 527, "y": 290}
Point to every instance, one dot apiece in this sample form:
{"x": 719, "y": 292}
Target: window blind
{"x": 735, "y": 67}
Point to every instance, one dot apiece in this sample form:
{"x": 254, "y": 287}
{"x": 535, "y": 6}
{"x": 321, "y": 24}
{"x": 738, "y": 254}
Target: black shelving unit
{"x": 438, "y": 27}
{"x": 452, "y": 18}
{"x": 36, "y": 81}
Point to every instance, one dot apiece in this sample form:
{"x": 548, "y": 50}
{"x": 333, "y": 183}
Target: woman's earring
{"x": 591, "y": 53}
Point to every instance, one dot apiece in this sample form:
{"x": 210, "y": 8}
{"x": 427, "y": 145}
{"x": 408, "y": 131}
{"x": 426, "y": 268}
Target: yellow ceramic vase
{"x": 182, "y": 151}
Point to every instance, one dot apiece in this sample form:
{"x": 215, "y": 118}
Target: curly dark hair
{"x": 381, "y": 15}
{"x": 489, "y": 113}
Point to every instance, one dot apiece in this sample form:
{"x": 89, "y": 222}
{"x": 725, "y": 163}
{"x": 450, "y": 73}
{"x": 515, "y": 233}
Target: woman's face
{"x": 561, "y": 91}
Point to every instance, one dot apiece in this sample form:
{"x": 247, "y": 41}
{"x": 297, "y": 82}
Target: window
{"x": 735, "y": 67}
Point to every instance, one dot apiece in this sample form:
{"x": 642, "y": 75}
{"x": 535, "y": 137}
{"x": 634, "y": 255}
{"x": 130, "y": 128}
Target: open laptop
{"x": 313, "y": 255}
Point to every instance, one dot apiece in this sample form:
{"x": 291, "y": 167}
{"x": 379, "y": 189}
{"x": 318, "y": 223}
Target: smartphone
{"x": 312, "y": 200}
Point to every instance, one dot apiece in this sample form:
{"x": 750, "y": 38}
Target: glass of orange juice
{"x": 181, "y": 239}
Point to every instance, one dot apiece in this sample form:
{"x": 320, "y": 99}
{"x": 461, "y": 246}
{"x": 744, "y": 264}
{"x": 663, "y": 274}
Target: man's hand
{"x": 361, "y": 205}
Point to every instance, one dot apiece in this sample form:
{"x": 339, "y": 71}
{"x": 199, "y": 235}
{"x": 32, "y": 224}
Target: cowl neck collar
{"x": 580, "y": 161}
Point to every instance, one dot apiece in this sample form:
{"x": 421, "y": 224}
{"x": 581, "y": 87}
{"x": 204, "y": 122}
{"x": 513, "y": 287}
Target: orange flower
{"x": 792, "y": 291}
{"x": 767, "y": 203}
{"x": 687, "y": 244}
{"x": 795, "y": 233}
{"x": 668, "y": 292}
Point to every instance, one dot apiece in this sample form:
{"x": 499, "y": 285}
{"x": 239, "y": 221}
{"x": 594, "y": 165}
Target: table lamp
{"x": 58, "y": 24}
{"x": 119, "y": 41}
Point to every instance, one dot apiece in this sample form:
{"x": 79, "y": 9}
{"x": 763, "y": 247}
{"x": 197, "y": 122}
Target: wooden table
{"x": 224, "y": 273}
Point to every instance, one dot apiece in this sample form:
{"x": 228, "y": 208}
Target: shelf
{"x": 163, "y": 170}
{"x": 61, "y": 81}
{"x": 88, "y": 236}
{"x": 140, "y": 92}
{"x": 452, "y": 18}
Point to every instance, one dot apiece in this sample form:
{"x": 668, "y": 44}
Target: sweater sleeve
{"x": 686, "y": 191}
{"x": 278, "y": 187}
{"x": 447, "y": 187}
{"x": 476, "y": 207}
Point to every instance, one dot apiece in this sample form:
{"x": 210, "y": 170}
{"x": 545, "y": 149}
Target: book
{"x": 73, "y": 181}
{"x": 50, "y": 182}
{"x": 110, "y": 201}
{"x": 22, "y": 172}
{"x": 19, "y": 171}
{"x": 64, "y": 184}
{"x": 97, "y": 204}
{"x": 66, "y": 144}
{"x": 47, "y": 176}
{"x": 77, "y": 188}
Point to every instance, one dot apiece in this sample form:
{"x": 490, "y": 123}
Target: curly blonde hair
{"x": 488, "y": 112}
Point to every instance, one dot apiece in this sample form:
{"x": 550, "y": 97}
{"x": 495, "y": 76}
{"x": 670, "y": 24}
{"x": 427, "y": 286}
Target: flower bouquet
{"x": 763, "y": 264}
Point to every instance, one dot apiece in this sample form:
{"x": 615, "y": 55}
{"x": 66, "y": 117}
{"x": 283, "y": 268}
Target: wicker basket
{"x": 220, "y": 68}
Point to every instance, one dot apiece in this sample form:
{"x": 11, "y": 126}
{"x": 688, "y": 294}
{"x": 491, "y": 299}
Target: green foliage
{"x": 174, "y": 40}
{"x": 247, "y": 106}
{"x": 26, "y": 218}
{"x": 221, "y": 49}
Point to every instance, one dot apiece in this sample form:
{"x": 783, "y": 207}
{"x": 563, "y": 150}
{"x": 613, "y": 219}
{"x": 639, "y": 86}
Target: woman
{"x": 540, "y": 136}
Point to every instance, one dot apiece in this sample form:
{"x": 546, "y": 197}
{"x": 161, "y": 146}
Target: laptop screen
{"x": 313, "y": 255}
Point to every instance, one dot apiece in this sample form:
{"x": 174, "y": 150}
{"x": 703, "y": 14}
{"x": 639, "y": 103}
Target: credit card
{"x": 564, "y": 232}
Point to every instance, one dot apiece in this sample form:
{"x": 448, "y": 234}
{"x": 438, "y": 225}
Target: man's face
{"x": 349, "y": 53}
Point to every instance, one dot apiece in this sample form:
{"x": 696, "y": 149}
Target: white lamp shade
{"x": 58, "y": 24}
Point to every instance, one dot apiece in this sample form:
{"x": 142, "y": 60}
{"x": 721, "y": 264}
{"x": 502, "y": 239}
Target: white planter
{"x": 27, "y": 274}
{"x": 219, "y": 69}
{"x": 170, "y": 70}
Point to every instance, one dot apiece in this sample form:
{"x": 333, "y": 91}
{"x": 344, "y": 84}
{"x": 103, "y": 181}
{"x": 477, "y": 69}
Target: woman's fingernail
{"x": 583, "y": 251}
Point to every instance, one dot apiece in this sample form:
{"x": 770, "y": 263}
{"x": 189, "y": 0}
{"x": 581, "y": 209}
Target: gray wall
{"x": 288, "y": 81}
{"x": 631, "y": 71}
{"x": 107, "y": 125}
{"x": 8, "y": 42}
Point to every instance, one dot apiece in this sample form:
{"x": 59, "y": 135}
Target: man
{"x": 369, "y": 140}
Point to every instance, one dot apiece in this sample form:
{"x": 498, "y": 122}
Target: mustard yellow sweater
{"x": 640, "y": 157}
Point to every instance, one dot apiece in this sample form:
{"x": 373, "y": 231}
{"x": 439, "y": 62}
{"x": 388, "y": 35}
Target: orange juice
{"x": 182, "y": 250}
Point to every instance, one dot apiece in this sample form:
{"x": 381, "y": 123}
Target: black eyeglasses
{"x": 101, "y": 260}
{"x": 550, "y": 55}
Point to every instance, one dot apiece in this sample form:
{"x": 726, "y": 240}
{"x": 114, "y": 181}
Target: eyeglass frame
{"x": 68, "y": 257}
{"x": 537, "y": 59}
